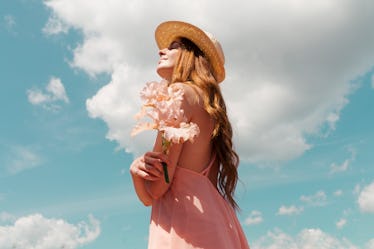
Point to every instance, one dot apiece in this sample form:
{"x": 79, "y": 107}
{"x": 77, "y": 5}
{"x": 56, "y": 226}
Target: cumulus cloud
{"x": 6, "y": 217}
{"x": 366, "y": 199}
{"x": 54, "y": 92}
{"x": 291, "y": 210}
{"x": 119, "y": 119}
{"x": 318, "y": 199}
{"x": 290, "y": 64}
{"x": 98, "y": 54}
{"x": 37, "y": 232}
{"x": 370, "y": 244}
{"x": 306, "y": 239}
{"x": 254, "y": 218}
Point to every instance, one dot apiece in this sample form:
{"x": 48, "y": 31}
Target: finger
{"x": 147, "y": 176}
{"x": 153, "y": 162}
{"x": 155, "y": 155}
{"x": 165, "y": 159}
{"x": 136, "y": 164}
{"x": 153, "y": 170}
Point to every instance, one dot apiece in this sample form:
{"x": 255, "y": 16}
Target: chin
{"x": 164, "y": 73}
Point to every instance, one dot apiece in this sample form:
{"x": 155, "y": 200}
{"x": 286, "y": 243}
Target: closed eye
{"x": 174, "y": 45}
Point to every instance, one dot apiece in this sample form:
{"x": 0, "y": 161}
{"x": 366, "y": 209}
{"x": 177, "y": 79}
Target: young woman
{"x": 197, "y": 208}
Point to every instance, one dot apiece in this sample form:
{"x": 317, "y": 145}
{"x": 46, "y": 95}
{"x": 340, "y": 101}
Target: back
{"x": 196, "y": 156}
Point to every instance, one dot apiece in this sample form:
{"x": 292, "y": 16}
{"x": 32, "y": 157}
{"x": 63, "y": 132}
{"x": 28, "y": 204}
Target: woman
{"x": 197, "y": 208}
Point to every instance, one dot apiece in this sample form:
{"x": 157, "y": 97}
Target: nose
{"x": 162, "y": 51}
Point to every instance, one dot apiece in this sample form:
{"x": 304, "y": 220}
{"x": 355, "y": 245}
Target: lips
{"x": 162, "y": 59}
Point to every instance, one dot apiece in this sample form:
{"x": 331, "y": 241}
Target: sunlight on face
{"x": 168, "y": 57}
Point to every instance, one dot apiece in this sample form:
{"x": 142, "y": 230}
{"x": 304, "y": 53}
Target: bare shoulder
{"x": 192, "y": 102}
{"x": 191, "y": 94}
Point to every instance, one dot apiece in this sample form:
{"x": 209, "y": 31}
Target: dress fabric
{"x": 193, "y": 214}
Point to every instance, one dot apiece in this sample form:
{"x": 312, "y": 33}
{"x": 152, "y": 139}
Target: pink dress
{"x": 192, "y": 214}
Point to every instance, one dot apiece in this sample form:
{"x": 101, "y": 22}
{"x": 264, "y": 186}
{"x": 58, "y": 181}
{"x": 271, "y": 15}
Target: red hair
{"x": 194, "y": 69}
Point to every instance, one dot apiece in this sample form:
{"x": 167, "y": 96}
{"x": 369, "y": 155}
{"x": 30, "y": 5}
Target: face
{"x": 168, "y": 57}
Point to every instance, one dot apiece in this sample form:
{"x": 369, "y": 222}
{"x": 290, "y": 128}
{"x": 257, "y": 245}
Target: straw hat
{"x": 167, "y": 32}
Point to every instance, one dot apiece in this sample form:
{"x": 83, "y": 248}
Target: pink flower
{"x": 162, "y": 104}
{"x": 182, "y": 133}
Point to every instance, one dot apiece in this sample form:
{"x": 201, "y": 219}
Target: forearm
{"x": 147, "y": 172}
{"x": 141, "y": 190}
{"x": 139, "y": 181}
{"x": 158, "y": 188}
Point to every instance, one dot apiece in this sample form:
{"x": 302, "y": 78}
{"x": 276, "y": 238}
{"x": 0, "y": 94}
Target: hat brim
{"x": 169, "y": 31}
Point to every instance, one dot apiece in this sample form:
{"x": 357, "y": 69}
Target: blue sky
{"x": 300, "y": 92}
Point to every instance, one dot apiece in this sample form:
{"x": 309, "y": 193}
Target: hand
{"x": 149, "y": 166}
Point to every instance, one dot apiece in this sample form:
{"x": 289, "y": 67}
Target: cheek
{"x": 173, "y": 57}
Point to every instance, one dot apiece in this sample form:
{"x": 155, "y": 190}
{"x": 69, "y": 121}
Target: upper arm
{"x": 191, "y": 99}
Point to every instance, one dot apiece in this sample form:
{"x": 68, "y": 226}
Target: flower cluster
{"x": 162, "y": 103}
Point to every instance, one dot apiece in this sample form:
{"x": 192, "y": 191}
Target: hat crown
{"x": 218, "y": 46}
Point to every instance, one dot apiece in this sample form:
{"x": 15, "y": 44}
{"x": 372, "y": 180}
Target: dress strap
{"x": 205, "y": 172}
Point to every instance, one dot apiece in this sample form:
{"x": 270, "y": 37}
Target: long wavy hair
{"x": 193, "y": 68}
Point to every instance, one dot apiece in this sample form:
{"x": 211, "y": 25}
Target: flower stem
{"x": 165, "y": 169}
{"x": 165, "y": 149}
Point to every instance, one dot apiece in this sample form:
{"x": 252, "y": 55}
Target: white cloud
{"x": 287, "y": 77}
{"x": 341, "y": 223}
{"x": 37, "y": 232}
{"x": 338, "y": 193}
{"x": 370, "y": 244}
{"x": 366, "y": 198}
{"x": 57, "y": 89}
{"x": 318, "y": 199}
{"x": 21, "y": 158}
{"x": 291, "y": 210}
{"x": 54, "y": 92}
{"x": 54, "y": 26}
{"x": 306, "y": 239}
{"x": 336, "y": 168}
{"x": 6, "y": 217}
{"x": 254, "y": 218}
{"x": 98, "y": 54}
{"x": 37, "y": 97}
{"x": 120, "y": 119}
{"x": 372, "y": 81}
